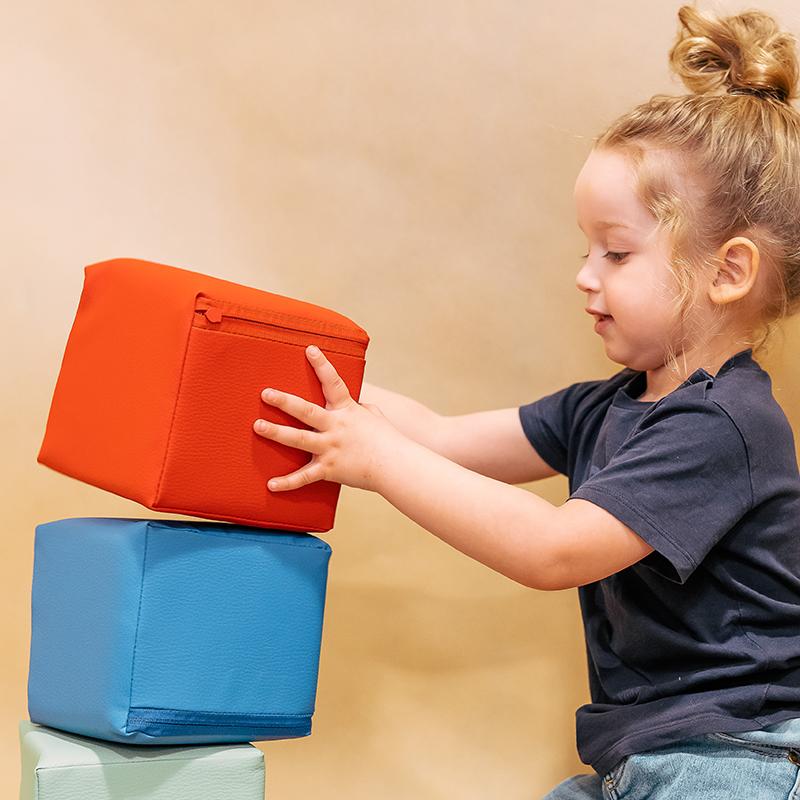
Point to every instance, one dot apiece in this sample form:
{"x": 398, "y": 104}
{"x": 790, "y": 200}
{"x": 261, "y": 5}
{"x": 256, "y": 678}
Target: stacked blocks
{"x": 151, "y": 634}
{"x": 59, "y": 766}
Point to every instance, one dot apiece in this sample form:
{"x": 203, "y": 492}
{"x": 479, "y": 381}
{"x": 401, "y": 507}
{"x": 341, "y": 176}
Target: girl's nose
{"x": 586, "y": 279}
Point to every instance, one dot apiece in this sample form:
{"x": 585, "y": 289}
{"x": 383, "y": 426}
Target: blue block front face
{"x": 175, "y": 632}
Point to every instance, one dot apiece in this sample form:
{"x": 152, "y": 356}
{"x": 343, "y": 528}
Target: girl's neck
{"x": 662, "y": 380}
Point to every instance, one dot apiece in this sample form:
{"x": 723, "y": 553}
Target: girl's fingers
{"x": 294, "y": 480}
{"x": 336, "y": 395}
{"x": 285, "y": 434}
{"x": 310, "y": 413}
{"x": 333, "y": 387}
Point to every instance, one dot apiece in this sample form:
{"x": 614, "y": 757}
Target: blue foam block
{"x": 175, "y": 632}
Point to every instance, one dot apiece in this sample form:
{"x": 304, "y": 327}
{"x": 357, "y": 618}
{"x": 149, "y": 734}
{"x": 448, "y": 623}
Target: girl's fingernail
{"x": 273, "y": 484}
{"x": 261, "y": 425}
{"x": 314, "y": 350}
{"x": 268, "y": 394}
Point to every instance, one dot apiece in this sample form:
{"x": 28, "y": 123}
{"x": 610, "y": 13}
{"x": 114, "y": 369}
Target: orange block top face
{"x": 161, "y": 381}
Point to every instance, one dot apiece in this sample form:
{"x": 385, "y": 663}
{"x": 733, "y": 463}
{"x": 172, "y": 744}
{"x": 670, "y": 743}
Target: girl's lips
{"x": 603, "y": 322}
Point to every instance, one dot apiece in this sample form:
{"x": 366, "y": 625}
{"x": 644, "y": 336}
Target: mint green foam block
{"x": 63, "y": 766}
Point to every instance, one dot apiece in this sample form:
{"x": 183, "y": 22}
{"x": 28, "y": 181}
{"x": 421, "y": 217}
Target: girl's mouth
{"x": 603, "y": 322}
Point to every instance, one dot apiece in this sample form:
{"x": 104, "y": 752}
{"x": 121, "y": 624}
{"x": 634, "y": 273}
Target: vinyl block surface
{"x": 60, "y": 766}
{"x": 161, "y": 382}
{"x": 175, "y": 632}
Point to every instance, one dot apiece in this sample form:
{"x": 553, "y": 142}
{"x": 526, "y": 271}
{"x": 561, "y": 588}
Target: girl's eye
{"x": 611, "y": 256}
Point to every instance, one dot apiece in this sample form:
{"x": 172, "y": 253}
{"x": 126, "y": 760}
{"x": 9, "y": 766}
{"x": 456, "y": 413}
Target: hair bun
{"x": 747, "y": 53}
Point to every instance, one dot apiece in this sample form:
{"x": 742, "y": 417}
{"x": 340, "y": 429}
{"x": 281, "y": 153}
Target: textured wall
{"x": 410, "y": 165}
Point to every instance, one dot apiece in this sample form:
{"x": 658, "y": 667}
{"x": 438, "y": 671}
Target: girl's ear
{"x": 739, "y": 260}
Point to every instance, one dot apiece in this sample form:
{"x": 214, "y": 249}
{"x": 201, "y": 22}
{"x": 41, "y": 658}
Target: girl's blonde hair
{"x": 724, "y": 161}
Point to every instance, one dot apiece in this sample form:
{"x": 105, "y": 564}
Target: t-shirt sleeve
{"x": 548, "y": 422}
{"x": 681, "y": 482}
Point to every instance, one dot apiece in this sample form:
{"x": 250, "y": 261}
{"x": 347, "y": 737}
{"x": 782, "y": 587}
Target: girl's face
{"x": 625, "y": 273}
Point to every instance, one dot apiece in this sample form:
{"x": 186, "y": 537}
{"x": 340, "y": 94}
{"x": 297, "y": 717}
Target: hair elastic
{"x": 759, "y": 91}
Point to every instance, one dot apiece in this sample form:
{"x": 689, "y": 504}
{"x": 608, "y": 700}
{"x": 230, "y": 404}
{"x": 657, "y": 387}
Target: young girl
{"x": 682, "y": 528}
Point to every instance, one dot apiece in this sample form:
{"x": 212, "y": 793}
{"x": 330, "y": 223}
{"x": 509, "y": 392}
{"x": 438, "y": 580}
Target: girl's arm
{"x": 509, "y": 529}
{"x": 494, "y": 444}
{"x": 489, "y": 442}
{"x": 409, "y": 416}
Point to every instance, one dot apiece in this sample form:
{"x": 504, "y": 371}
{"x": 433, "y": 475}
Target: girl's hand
{"x": 351, "y": 439}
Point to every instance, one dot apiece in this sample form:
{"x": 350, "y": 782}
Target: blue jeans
{"x": 755, "y": 765}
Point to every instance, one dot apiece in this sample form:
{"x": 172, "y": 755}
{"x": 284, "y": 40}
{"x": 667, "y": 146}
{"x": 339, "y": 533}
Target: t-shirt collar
{"x": 626, "y": 395}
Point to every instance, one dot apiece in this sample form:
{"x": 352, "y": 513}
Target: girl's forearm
{"x": 504, "y": 527}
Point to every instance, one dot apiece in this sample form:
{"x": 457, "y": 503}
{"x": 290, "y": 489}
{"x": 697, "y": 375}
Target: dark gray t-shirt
{"x": 703, "y": 634}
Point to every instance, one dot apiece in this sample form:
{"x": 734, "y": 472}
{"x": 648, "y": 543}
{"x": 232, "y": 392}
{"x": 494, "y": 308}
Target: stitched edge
{"x": 218, "y": 713}
{"x": 289, "y": 316}
{"x": 676, "y": 724}
{"x": 796, "y": 788}
{"x": 746, "y": 453}
{"x": 614, "y": 776}
{"x": 146, "y": 727}
{"x": 534, "y": 421}
{"x": 175, "y": 406}
{"x": 138, "y": 722}
{"x": 138, "y": 763}
{"x": 257, "y": 523}
{"x": 138, "y": 620}
{"x": 249, "y": 538}
{"x": 746, "y": 634}
{"x": 764, "y": 748}
{"x": 278, "y": 341}
{"x": 641, "y": 514}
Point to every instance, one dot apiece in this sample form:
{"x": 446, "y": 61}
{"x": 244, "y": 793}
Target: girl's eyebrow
{"x": 613, "y": 225}
{"x": 605, "y": 224}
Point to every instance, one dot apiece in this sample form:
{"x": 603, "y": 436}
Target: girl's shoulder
{"x": 744, "y": 391}
{"x": 741, "y": 388}
{"x": 741, "y": 395}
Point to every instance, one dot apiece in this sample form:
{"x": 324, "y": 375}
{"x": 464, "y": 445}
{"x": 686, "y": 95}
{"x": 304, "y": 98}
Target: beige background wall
{"x": 410, "y": 165}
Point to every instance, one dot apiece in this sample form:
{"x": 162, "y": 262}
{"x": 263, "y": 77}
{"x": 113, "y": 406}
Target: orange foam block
{"x": 161, "y": 382}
